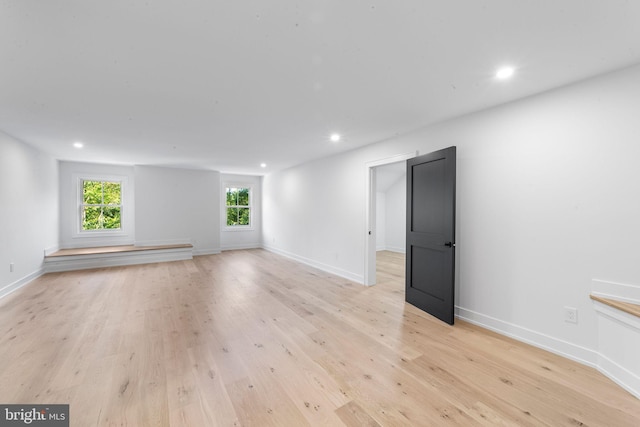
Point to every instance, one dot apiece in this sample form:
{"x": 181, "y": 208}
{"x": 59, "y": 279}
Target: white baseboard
{"x": 20, "y": 283}
{"x": 396, "y": 249}
{"x": 618, "y": 350}
{"x": 618, "y": 374}
{"x": 210, "y": 251}
{"x": 391, "y": 249}
{"x": 241, "y": 246}
{"x": 358, "y": 278}
{"x": 83, "y": 262}
{"x": 554, "y": 345}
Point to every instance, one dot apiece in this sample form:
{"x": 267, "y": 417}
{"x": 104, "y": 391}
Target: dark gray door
{"x": 431, "y": 219}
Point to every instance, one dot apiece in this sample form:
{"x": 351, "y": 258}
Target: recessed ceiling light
{"x": 505, "y": 73}
{"x": 263, "y": 165}
{"x": 335, "y": 137}
{"x": 78, "y": 144}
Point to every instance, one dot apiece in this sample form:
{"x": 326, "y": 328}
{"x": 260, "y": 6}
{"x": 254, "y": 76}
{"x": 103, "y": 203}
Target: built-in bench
{"x": 111, "y": 256}
{"x": 617, "y": 309}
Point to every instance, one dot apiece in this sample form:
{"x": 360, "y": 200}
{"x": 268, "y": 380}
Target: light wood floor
{"x": 248, "y": 338}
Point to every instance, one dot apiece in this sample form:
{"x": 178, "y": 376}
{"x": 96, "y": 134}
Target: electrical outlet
{"x": 11, "y": 267}
{"x": 571, "y": 314}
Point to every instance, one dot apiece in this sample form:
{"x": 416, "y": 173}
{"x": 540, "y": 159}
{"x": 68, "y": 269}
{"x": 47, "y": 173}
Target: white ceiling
{"x": 226, "y": 85}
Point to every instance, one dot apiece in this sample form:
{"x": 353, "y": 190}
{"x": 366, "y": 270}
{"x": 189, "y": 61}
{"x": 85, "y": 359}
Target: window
{"x": 101, "y": 205}
{"x": 238, "y": 206}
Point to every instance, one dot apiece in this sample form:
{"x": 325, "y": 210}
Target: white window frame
{"x": 223, "y": 221}
{"x": 78, "y": 231}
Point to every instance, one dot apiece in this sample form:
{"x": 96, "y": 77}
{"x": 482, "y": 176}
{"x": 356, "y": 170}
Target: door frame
{"x": 370, "y": 213}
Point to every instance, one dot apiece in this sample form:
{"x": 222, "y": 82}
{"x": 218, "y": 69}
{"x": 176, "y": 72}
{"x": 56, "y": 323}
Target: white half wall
{"x": 618, "y": 334}
{"x": 178, "y": 206}
{"x": 242, "y": 238}
{"x": 29, "y": 213}
{"x": 546, "y": 201}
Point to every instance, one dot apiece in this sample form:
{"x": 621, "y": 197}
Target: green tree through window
{"x": 238, "y": 206}
{"x": 101, "y": 205}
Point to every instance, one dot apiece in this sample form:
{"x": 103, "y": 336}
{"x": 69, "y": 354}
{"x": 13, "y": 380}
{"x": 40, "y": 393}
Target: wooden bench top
{"x": 114, "y": 249}
{"x": 627, "y": 307}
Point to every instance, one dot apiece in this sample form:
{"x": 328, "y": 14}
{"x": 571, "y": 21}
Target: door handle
{"x": 450, "y": 244}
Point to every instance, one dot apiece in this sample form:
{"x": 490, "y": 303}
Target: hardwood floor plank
{"x": 248, "y": 338}
{"x": 260, "y": 401}
{"x": 354, "y": 416}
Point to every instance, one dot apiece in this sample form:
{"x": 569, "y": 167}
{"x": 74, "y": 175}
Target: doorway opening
{"x": 386, "y": 219}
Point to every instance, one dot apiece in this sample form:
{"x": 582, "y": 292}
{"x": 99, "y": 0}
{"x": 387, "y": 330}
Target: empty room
{"x": 412, "y": 213}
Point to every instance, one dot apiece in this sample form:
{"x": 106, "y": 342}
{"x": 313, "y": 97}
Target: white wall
{"x": 315, "y": 214}
{"x": 242, "y": 238}
{"x": 161, "y": 206}
{"x": 69, "y": 223}
{"x": 381, "y": 221}
{"x": 29, "y": 213}
{"x": 547, "y": 199}
{"x": 396, "y": 216}
{"x": 178, "y": 206}
{"x": 391, "y": 217}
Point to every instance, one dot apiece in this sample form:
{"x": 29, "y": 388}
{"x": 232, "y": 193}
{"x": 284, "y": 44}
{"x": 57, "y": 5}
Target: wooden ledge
{"x": 627, "y": 307}
{"x": 113, "y": 256}
{"x": 114, "y": 249}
